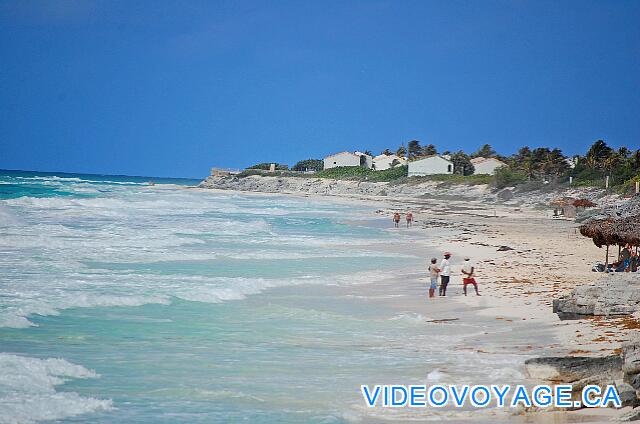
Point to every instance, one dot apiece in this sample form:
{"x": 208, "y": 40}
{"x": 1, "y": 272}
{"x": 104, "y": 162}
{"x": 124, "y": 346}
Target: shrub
{"x": 506, "y": 177}
{"x": 309, "y": 164}
{"x": 265, "y": 166}
{"x": 362, "y": 174}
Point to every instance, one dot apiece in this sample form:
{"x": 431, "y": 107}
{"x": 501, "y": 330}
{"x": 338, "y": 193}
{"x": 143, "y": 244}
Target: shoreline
{"x": 548, "y": 259}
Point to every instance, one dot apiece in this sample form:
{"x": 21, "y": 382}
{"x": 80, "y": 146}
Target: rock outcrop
{"x": 612, "y": 208}
{"x": 571, "y": 369}
{"x": 621, "y": 370}
{"x": 613, "y": 294}
{"x": 325, "y": 186}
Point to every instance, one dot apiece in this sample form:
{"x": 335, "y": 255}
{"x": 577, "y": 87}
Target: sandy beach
{"x": 545, "y": 257}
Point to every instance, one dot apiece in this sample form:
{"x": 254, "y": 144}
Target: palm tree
{"x": 597, "y": 154}
{"x": 414, "y": 149}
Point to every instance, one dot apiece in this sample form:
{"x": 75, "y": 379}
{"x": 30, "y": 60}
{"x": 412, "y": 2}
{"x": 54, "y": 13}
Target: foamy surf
{"x": 206, "y": 306}
{"x": 28, "y": 390}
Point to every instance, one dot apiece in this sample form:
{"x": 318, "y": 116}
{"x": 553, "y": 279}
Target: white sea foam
{"x": 134, "y": 246}
{"x": 28, "y": 390}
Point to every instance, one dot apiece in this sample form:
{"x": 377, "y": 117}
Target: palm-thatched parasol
{"x": 609, "y": 231}
{"x": 584, "y": 203}
{"x": 562, "y": 202}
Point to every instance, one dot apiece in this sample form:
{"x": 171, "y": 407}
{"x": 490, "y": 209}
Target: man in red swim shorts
{"x": 468, "y": 270}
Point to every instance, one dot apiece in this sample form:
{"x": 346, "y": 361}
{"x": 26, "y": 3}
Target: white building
{"x": 486, "y": 165}
{"x": 430, "y": 165}
{"x": 382, "y": 162}
{"x": 348, "y": 159}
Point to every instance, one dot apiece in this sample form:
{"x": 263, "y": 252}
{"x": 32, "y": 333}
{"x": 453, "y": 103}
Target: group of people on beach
{"x": 628, "y": 260}
{"x": 443, "y": 271}
{"x": 397, "y": 217}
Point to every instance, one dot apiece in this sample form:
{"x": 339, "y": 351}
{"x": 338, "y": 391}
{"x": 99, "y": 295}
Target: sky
{"x": 172, "y": 88}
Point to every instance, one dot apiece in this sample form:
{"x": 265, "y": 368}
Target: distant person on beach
{"x": 468, "y": 270}
{"x": 445, "y": 274}
{"x": 434, "y": 271}
{"x": 625, "y": 257}
{"x": 396, "y": 219}
{"x": 409, "y": 219}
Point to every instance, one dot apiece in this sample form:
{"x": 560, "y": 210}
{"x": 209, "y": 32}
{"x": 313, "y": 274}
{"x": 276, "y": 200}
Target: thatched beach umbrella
{"x": 628, "y": 230}
{"x": 609, "y": 231}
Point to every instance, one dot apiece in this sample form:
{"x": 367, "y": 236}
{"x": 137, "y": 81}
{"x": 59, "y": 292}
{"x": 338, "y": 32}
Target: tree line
{"x": 621, "y": 165}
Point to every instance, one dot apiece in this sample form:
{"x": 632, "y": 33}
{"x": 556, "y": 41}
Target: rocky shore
{"x": 411, "y": 189}
{"x": 613, "y": 294}
{"x": 330, "y": 187}
{"x": 620, "y": 370}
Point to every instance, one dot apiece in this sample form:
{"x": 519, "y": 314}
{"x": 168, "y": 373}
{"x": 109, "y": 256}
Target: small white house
{"x": 430, "y": 165}
{"x": 382, "y": 162}
{"x": 486, "y": 165}
{"x": 348, "y": 159}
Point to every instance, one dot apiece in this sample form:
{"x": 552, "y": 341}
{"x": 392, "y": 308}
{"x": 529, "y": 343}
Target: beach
{"x": 128, "y": 302}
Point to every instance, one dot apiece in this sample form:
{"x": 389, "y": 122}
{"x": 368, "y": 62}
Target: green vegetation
{"x": 362, "y": 174}
{"x": 309, "y": 165}
{"x": 462, "y": 164}
{"x": 622, "y": 166}
{"x": 266, "y": 166}
{"x": 507, "y": 177}
{"x": 528, "y": 168}
{"x": 449, "y": 179}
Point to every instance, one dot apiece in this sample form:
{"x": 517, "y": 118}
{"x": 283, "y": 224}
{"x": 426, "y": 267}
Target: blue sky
{"x": 173, "y": 88}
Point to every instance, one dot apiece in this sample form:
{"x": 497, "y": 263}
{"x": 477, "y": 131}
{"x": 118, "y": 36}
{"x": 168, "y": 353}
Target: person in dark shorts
{"x": 445, "y": 274}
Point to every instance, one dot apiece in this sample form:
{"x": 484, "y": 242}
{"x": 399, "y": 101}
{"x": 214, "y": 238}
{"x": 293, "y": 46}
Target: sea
{"x": 145, "y": 300}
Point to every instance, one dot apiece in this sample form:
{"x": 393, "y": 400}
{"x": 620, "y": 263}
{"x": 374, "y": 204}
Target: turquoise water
{"x": 124, "y": 302}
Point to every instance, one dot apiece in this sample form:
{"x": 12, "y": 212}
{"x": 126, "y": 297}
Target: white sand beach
{"x": 545, "y": 258}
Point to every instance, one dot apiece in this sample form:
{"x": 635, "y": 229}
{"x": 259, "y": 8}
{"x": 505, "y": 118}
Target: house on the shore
{"x": 348, "y": 159}
{"x": 486, "y": 165}
{"x": 430, "y": 165}
{"x": 382, "y": 162}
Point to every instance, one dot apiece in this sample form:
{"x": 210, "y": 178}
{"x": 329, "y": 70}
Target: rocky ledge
{"x": 325, "y": 186}
{"x": 621, "y": 370}
{"x": 613, "y": 294}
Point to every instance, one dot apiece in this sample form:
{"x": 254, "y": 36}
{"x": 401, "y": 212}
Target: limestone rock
{"x": 613, "y": 294}
{"x": 572, "y": 369}
{"x": 632, "y": 415}
{"x": 627, "y": 394}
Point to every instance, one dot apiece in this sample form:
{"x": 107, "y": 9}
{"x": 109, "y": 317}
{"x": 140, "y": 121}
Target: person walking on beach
{"x": 409, "y": 219}
{"x": 434, "y": 271}
{"x": 468, "y": 270}
{"x": 445, "y": 274}
{"x": 396, "y": 219}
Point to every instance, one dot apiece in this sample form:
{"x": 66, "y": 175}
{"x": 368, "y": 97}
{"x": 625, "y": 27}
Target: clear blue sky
{"x": 173, "y": 88}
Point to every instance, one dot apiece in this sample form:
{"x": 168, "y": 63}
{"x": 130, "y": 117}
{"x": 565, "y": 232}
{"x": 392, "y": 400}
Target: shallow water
{"x": 121, "y": 302}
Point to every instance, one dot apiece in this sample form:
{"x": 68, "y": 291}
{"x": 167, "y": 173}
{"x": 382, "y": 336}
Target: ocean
{"x": 124, "y": 302}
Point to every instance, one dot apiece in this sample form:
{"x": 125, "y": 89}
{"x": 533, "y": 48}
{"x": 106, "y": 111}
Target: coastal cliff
{"x": 405, "y": 190}
{"x": 333, "y": 187}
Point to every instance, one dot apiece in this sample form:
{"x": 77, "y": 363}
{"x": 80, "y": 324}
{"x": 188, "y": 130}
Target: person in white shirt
{"x": 468, "y": 271}
{"x": 445, "y": 274}
{"x": 434, "y": 271}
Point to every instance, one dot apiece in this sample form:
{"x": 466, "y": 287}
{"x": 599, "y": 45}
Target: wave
{"x": 54, "y": 178}
{"x": 111, "y": 289}
{"x": 28, "y": 390}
